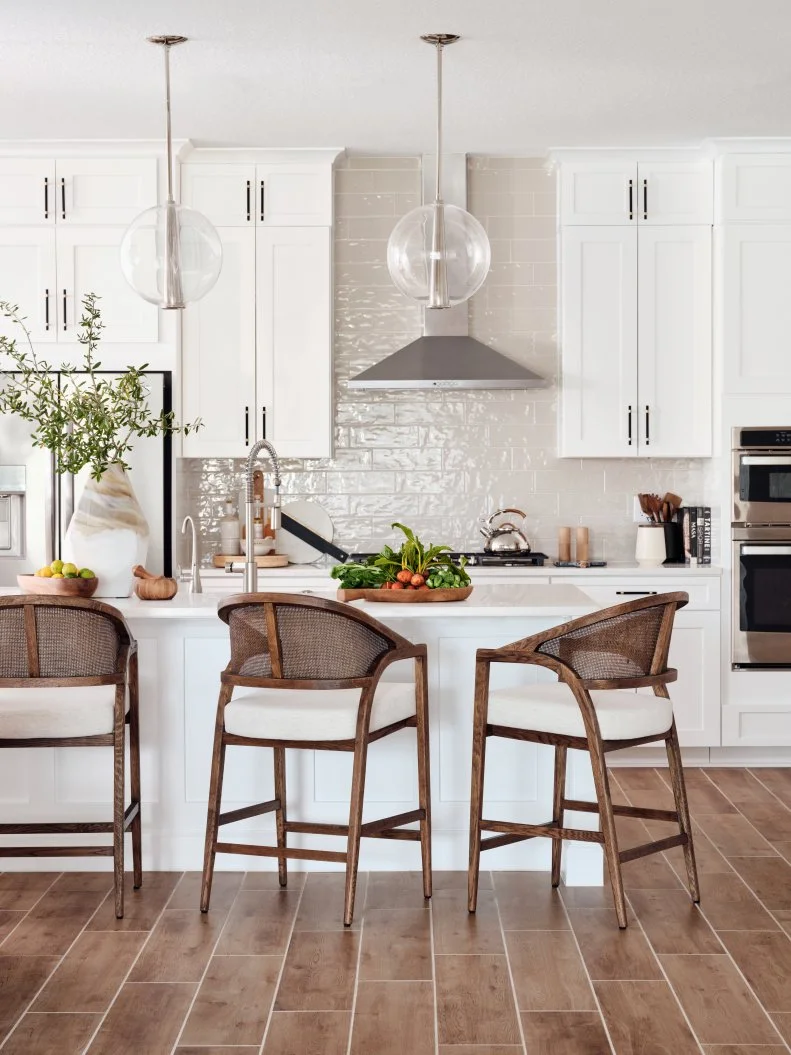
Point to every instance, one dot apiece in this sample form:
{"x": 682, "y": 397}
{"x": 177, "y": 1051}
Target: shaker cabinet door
{"x": 218, "y": 355}
{"x": 670, "y": 192}
{"x": 598, "y": 304}
{"x": 88, "y": 261}
{"x": 294, "y": 340}
{"x": 104, "y": 190}
{"x": 756, "y": 307}
{"x": 293, "y": 195}
{"x": 225, "y": 194}
{"x": 674, "y": 340}
{"x": 27, "y": 279}
{"x": 599, "y": 192}
{"x": 27, "y": 191}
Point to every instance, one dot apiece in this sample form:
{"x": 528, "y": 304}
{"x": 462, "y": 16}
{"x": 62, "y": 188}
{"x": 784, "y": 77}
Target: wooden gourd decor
{"x": 150, "y": 587}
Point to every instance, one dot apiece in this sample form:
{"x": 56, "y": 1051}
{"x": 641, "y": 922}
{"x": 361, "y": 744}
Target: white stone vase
{"x": 108, "y": 532}
{"x": 650, "y": 549}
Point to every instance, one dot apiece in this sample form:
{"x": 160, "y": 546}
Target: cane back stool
{"x": 597, "y": 659}
{"x": 68, "y": 678}
{"x": 305, "y": 673}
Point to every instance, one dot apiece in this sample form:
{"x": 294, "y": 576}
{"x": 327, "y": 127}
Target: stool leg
{"x": 607, "y": 818}
{"x": 423, "y": 770}
{"x": 355, "y": 824}
{"x": 476, "y": 790}
{"x": 134, "y": 772}
{"x": 280, "y": 815}
{"x": 215, "y": 798}
{"x": 119, "y": 751}
{"x": 682, "y": 808}
{"x": 557, "y": 810}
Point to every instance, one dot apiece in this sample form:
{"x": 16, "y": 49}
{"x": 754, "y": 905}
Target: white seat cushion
{"x": 314, "y": 714}
{"x": 56, "y": 713}
{"x": 552, "y": 708}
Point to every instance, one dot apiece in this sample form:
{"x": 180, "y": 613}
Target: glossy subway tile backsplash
{"x": 439, "y": 460}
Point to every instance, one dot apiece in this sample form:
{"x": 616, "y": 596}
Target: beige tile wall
{"x": 439, "y": 460}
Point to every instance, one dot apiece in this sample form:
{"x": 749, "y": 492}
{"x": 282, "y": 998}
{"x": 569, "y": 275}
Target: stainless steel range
{"x": 761, "y": 548}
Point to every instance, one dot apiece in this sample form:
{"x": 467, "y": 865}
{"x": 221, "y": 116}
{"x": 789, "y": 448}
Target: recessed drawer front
{"x": 704, "y": 594}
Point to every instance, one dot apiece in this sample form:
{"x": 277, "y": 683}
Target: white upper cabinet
{"x": 625, "y": 192}
{"x": 218, "y": 355}
{"x": 598, "y": 192}
{"x": 277, "y": 195}
{"x": 674, "y": 339}
{"x": 598, "y": 282}
{"x": 104, "y": 191}
{"x": 294, "y": 332}
{"x": 87, "y": 262}
{"x": 76, "y": 190}
{"x": 754, "y": 187}
{"x": 27, "y": 279}
{"x": 756, "y": 307}
{"x": 27, "y": 191}
{"x": 225, "y": 194}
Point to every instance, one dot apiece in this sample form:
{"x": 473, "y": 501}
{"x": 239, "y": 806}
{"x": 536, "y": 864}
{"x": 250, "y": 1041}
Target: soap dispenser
{"x": 229, "y": 530}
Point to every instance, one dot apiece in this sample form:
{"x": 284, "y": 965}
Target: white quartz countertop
{"x": 559, "y": 600}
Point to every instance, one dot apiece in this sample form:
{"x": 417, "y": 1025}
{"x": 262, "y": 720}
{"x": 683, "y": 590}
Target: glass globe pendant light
{"x": 170, "y": 255}
{"x": 439, "y": 254}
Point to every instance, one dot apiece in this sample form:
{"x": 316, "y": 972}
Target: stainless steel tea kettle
{"x": 505, "y": 537}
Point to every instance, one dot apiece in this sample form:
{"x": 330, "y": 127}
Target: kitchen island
{"x": 183, "y": 647}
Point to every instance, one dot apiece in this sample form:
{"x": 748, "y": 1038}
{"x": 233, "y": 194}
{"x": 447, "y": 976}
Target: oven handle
{"x": 762, "y": 551}
{"x": 765, "y": 459}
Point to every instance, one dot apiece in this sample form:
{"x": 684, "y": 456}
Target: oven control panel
{"x": 763, "y": 437}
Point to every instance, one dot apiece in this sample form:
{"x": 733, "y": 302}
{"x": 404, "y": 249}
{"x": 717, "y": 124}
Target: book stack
{"x": 696, "y": 534}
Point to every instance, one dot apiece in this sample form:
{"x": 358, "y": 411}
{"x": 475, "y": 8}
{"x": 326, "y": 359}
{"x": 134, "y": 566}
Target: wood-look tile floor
{"x": 535, "y": 972}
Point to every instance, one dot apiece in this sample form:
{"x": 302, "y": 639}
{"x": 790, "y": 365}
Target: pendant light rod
{"x": 439, "y": 41}
{"x": 166, "y": 43}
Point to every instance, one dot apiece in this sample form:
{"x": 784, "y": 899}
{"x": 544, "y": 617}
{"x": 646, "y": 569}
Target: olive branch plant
{"x": 89, "y": 420}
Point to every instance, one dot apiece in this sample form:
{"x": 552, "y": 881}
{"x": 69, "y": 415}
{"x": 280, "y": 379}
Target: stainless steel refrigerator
{"x": 36, "y": 504}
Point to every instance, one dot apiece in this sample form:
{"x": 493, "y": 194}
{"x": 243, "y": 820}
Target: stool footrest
{"x": 58, "y": 828}
{"x": 131, "y": 812}
{"x": 550, "y": 830}
{"x": 386, "y": 828}
{"x": 622, "y": 811}
{"x": 56, "y": 851}
{"x": 653, "y": 848}
{"x": 275, "y": 851}
{"x": 249, "y": 811}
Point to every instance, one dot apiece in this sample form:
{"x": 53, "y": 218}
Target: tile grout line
{"x": 765, "y": 786}
{"x": 357, "y": 970}
{"x": 208, "y": 962}
{"x": 649, "y": 943}
{"x": 134, "y": 961}
{"x": 760, "y": 902}
{"x": 283, "y": 964}
{"x": 517, "y": 1009}
{"x": 24, "y": 916}
{"x": 432, "y": 949}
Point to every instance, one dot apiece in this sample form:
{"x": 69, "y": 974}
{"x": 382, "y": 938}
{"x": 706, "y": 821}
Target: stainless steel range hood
{"x": 446, "y": 356}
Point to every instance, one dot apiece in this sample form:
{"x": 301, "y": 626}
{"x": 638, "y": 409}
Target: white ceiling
{"x": 528, "y": 75}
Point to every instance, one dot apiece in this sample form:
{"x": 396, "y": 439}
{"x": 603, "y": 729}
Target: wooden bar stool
{"x": 68, "y": 678}
{"x": 597, "y": 659}
{"x": 305, "y": 673}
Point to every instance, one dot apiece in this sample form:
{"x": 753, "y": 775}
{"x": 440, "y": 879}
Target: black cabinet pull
{"x": 645, "y": 199}
{"x": 635, "y": 593}
{"x": 629, "y": 424}
{"x": 262, "y": 201}
{"x": 247, "y": 426}
{"x": 647, "y": 425}
{"x": 46, "y": 197}
{"x": 46, "y": 309}
{"x": 63, "y": 198}
{"x": 65, "y": 325}
{"x": 631, "y": 199}
{"x": 248, "y": 201}
{"x": 263, "y": 423}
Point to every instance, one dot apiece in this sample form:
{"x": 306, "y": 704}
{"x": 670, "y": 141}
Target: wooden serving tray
{"x": 57, "y": 587}
{"x": 456, "y": 593}
{"x": 268, "y": 560}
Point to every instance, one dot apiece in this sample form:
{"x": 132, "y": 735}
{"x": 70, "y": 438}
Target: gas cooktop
{"x": 479, "y": 557}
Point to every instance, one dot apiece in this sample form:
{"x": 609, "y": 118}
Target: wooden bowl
{"x": 451, "y": 593}
{"x": 159, "y": 588}
{"x": 57, "y": 587}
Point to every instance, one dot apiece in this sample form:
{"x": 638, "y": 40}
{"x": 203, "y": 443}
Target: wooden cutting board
{"x": 268, "y": 560}
{"x": 458, "y": 593}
